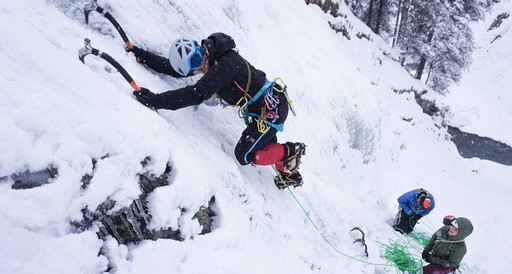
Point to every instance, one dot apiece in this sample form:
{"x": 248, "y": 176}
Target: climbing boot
{"x": 292, "y": 180}
{"x": 292, "y": 155}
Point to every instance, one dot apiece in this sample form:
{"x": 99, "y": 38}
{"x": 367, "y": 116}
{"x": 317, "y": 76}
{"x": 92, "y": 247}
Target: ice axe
{"x": 93, "y": 6}
{"x": 361, "y": 240}
{"x": 88, "y": 49}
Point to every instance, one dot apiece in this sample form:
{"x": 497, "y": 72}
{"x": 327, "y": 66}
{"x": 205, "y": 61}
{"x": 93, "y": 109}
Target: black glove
{"x": 425, "y": 254}
{"x": 145, "y": 97}
{"x": 139, "y": 53}
{"x": 427, "y": 259}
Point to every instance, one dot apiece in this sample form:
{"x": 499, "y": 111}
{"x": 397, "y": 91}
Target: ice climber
{"x": 413, "y": 205}
{"x": 236, "y": 82}
{"x": 446, "y": 248}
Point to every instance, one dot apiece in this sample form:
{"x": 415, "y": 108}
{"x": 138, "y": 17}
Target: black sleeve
{"x": 217, "y": 77}
{"x": 179, "y": 98}
{"x": 159, "y": 64}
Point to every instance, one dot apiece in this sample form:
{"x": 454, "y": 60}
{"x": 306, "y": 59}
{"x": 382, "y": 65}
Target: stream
{"x": 471, "y": 145}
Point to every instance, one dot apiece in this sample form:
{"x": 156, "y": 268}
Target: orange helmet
{"x": 427, "y": 203}
{"x": 448, "y": 219}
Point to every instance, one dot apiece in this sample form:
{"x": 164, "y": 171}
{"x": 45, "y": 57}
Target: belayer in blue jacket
{"x": 413, "y": 205}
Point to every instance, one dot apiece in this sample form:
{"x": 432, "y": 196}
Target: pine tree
{"x": 475, "y": 8}
{"x": 416, "y": 34}
{"x": 433, "y": 35}
{"x": 386, "y": 11}
{"x": 452, "y": 50}
{"x": 358, "y": 8}
{"x": 402, "y": 17}
{"x": 376, "y": 14}
{"x": 436, "y": 38}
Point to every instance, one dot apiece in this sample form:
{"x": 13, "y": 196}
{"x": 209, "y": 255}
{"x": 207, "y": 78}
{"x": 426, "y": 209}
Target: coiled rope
{"x": 319, "y": 231}
{"x": 395, "y": 253}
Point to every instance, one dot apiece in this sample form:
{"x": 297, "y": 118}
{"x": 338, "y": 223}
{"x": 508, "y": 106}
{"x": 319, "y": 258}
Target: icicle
{"x": 126, "y": 224}
{"x": 135, "y": 224}
{"x": 103, "y": 232}
{"x": 114, "y": 229}
{"x": 140, "y": 210}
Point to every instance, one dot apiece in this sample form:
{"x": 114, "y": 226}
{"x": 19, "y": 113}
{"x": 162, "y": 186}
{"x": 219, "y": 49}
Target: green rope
{"x": 397, "y": 255}
{"x": 421, "y": 238}
{"x": 319, "y": 231}
{"x": 429, "y": 224}
{"x": 402, "y": 259}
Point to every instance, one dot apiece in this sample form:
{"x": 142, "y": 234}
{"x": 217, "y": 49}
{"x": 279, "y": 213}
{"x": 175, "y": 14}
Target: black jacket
{"x": 226, "y": 67}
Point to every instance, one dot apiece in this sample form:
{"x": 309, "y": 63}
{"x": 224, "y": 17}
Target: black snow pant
{"x": 405, "y": 223}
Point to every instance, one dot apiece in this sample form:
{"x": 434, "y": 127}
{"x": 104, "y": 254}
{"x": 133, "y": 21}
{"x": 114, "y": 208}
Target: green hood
{"x": 465, "y": 229}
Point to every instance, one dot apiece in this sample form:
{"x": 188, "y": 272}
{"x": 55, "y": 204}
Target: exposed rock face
{"x": 129, "y": 224}
{"x": 30, "y": 179}
{"x": 132, "y": 224}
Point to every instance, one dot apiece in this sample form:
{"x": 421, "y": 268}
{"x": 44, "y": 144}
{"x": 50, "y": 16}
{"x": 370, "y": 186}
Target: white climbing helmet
{"x": 185, "y": 56}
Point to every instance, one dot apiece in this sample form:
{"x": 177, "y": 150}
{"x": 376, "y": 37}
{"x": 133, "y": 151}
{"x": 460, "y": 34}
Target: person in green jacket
{"x": 446, "y": 248}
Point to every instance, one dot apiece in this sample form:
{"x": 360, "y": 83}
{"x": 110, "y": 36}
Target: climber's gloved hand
{"x": 145, "y": 97}
{"x": 139, "y": 53}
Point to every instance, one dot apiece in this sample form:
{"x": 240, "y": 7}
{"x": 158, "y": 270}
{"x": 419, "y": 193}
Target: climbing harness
{"x": 269, "y": 96}
{"x": 270, "y": 99}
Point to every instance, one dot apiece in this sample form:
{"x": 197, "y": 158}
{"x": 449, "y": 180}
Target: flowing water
{"x": 471, "y": 145}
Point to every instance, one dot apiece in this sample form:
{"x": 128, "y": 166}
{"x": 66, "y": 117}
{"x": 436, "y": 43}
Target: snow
{"x": 362, "y": 153}
{"x": 481, "y": 102}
